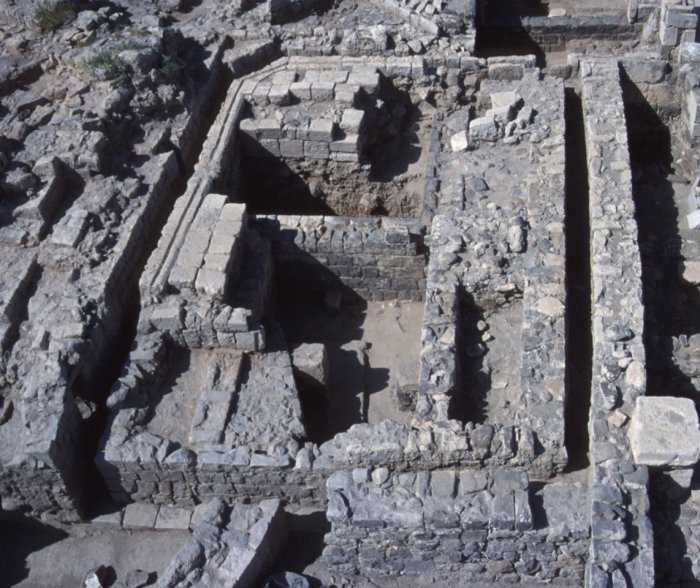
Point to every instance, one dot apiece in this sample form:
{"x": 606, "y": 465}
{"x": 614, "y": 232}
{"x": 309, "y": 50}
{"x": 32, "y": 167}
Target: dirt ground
{"x": 37, "y": 555}
{"x": 367, "y": 348}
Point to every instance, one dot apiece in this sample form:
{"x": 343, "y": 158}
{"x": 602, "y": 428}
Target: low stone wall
{"x": 462, "y": 526}
{"x": 618, "y": 487}
{"x": 377, "y": 258}
{"x": 233, "y": 447}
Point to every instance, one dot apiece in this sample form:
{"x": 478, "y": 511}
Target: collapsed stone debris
{"x": 355, "y": 293}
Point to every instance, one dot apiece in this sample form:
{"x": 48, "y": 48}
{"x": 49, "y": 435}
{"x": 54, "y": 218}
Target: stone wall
{"x": 677, "y": 23}
{"x": 484, "y": 250}
{"x": 320, "y": 140}
{"x": 230, "y": 546}
{"x": 376, "y": 258}
{"x": 552, "y": 33}
{"x": 458, "y": 525}
{"x": 618, "y": 487}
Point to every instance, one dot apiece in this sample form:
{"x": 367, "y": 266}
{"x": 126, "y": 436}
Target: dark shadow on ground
{"x": 269, "y": 186}
{"x": 501, "y": 32}
{"x": 473, "y": 382}
{"x": 672, "y": 565}
{"x": 579, "y": 344}
{"x": 19, "y": 537}
{"x": 671, "y": 307}
{"x": 304, "y": 544}
{"x": 306, "y": 317}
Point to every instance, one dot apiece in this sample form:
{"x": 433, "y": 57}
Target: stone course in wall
{"x": 677, "y": 23}
{"x": 377, "y": 258}
{"x": 458, "y": 525}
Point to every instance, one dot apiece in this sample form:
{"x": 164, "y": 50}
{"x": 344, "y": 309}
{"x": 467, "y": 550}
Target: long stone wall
{"x": 619, "y": 549}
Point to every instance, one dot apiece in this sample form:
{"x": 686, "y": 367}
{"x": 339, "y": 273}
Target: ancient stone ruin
{"x": 337, "y": 293}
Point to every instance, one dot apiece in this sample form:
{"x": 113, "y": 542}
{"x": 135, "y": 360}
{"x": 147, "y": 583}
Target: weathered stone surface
{"x": 664, "y": 431}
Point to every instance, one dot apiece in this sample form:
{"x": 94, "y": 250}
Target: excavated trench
{"x": 386, "y": 180}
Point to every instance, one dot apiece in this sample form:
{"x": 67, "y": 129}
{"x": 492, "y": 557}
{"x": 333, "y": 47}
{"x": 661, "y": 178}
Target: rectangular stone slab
{"x": 664, "y": 432}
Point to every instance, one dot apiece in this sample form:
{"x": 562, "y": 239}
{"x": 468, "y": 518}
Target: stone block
{"x": 506, "y": 71}
{"x": 506, "y": 481}
{"x": 182, "y": 276}
{"x": 337, "y": 76}
{"x": 210, "y": 281}
{"x": 351, "y": 121}
{"x": 681, "y": 20}
{"x": 693, "y": 219}
{"x": 483, "y": 129}
{"x": 459, "y": 141}
{"x": 477, "y": 513}
{"x": 503, "y": 511}
{"x": 471, "y": 481}
{"x": 260, "y": 93}
{"x": 172, "y": 517}
{"x": 345, "y": 157}
{"x": 367, "y": 80}
{"x": 321, "y": 129}
{"x": 345, "y": 94}
{"x": 322, "y": 91}
{"x": 693, "y": 106}
{"x": 270, "y": 147}
{"x": 248, "y": 127}
{"x": 301, "y": 90}
{"x": 668, "y": 36}
{"x": 316, "y": 150}
{"x": 664, "y": 431}
{"x": 350, "y": 144}
{"x": 508, "y": 99}
{"x": 442, "y": 484}
{"x": 690, "y": 270}
{"x": 279, "y": 95}
{"x": 140, "y": 515}
{"x": 311, "y": 366}
{"x": 293, "y": 149}
{"x": 167, "y": 317}
{"x": 269, "y": 128}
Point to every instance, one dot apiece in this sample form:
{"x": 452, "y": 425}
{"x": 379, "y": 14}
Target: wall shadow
{"x": 579, "y": 341}
{"x": 314, "y": 306}
{"x": 501, "y": 31}
{"x": 473, "y": 380}
{"x": 20, "y": 537}
{"x": 671, "y": 307}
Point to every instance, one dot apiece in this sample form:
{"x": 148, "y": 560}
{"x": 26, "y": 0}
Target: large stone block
{"x": 311, "y": 369}
{"x": 664, "y": 432}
